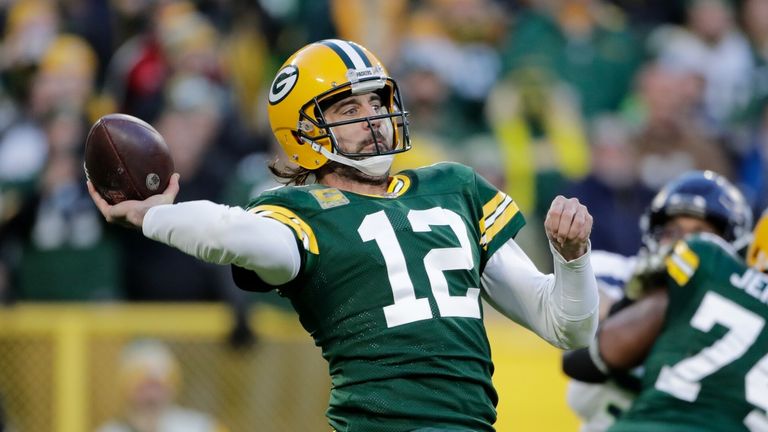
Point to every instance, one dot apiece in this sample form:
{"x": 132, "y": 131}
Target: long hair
{"x": 288, "y": 174}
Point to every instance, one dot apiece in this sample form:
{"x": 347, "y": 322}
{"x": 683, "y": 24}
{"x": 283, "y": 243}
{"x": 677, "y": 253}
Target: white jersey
{"x": 612, "y": 272}
{"x": 598, "y": 405}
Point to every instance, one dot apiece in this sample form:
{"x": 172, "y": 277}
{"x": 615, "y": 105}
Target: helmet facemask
{"x": 388, "y": 128}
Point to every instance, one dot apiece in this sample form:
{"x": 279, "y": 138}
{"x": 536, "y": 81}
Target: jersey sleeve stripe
{"x": 678, "y": 269}
{"x": 677, "y": 273}
{"x": 489, "y": 221}
{"x": 490, "y": 207}
{"x": 291, "y": 220}
{"x": 682, "y": 263}
{"x": 686, "y": 254}
{"x": 493, "y": 225}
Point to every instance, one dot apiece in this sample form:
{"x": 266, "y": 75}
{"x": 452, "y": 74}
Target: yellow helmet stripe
{"x": 290, "y": 219}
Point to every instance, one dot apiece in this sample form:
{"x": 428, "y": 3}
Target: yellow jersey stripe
{"x": 678, "y": 269}
{"x": 500, "y": 221}
{"x": 490, "y": 220}
{"x": 290, "y": 219}
{"x": 490, "y": 207}
{"x": 687, "y": 255}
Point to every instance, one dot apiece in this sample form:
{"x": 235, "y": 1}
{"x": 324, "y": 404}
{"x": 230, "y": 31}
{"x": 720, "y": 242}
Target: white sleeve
{"x": 220, "y": 234}
{"x": 562, "y": 308}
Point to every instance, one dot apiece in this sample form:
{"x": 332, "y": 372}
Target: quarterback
{"x": 386, "y": 272}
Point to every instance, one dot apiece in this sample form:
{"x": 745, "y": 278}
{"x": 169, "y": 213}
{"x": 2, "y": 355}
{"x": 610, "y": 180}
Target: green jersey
{"x": 389, "y": 289}
{"x": 708, "y": 369}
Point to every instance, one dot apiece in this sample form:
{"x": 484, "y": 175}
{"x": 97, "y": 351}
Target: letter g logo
{"x": 284, "y": 82}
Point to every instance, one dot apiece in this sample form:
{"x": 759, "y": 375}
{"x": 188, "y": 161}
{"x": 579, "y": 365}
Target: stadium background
{"x": 59, "y": 366}
{"x": 604, "y": 100}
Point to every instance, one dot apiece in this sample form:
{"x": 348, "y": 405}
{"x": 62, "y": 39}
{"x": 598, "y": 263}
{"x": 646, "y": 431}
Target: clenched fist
{"x": 568, "y": 225}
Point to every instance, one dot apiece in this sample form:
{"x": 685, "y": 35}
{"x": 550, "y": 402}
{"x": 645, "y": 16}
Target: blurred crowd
{"x": 601, "y": 100}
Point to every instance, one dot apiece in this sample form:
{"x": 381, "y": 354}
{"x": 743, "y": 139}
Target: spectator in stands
{"x": 190, "y": 121}
{"x": 584, "y": 43}
{"x": 672, "y": 136}
{"x": 613, "y": 190}
{"x": 54, "y": 227}
{"x": 711, "y": 45}
{"x": 150, "y": 377}
{"x": 543, "y": 143}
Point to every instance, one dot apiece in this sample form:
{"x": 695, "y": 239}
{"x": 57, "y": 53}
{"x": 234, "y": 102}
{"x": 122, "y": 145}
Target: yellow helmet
{"x": 757, "y": 254}
{"x": 315, "y": 77}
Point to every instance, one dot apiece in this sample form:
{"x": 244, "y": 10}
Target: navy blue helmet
{"x": 703, "y": 194}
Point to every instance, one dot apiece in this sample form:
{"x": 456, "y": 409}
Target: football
{"x": 126, "y": 159}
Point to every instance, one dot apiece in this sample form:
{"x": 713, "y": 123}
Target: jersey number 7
{"x": 682, "y": 380}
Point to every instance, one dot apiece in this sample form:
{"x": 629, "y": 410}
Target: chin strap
{"x": 374, "y": 166}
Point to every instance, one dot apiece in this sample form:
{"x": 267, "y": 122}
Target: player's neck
{"x": 354, "y": 185}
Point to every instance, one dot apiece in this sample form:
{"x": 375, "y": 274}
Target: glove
{"x": 650, "y": 271}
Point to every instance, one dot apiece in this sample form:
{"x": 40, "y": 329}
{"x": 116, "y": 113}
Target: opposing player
{"x": 385, "y": 272}
{"x": 598, "y": 404}
{"x": 699, "y": 331}
{"x": 695, "y": 202}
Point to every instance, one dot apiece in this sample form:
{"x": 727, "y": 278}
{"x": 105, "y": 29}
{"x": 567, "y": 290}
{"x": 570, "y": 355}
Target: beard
{"x": 352, "y": 173}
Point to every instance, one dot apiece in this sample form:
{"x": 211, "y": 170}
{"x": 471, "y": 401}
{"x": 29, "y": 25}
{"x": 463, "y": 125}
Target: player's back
{"x": 708, "y": 369}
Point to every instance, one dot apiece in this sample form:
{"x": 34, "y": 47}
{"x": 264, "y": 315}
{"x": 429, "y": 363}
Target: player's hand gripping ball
{"x": 126, "y": 159}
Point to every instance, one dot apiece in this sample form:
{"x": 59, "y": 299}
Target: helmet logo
{"x": 284, "y": 82}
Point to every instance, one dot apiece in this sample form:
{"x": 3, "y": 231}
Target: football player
{"x": 599, "y": 404}
{"x": 698, "y": 330}
{"x": 385, "y": 271}
{"x": 686, "y": 205}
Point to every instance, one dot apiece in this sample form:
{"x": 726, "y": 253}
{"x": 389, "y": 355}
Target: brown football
{"x": 126, "y": 159}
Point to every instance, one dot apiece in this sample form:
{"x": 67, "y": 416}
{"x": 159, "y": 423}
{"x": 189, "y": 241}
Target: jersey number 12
{"x": 407, "y": 308}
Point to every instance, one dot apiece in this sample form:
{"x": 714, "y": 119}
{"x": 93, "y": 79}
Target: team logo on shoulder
{"x": 284, "y": 82}
{"x": 329, "y": 198}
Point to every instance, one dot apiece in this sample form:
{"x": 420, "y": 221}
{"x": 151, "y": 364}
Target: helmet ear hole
{"x": 297, "y": 138}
